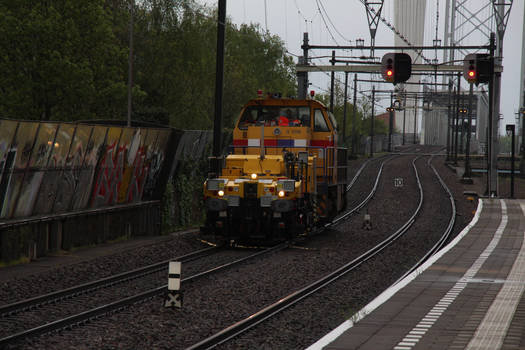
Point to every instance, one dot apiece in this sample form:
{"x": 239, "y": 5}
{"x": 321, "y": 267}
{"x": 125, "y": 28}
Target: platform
{"x": 467, "y": 296}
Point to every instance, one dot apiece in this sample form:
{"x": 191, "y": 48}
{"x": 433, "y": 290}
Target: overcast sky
{"x": 346, "y": 21}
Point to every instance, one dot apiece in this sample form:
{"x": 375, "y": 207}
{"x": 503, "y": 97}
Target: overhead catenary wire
{"x": 319, "y": 2}
{"x": 325, "y": 24}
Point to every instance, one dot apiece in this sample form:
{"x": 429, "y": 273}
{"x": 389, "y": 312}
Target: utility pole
{"x": 462, "y": 112}
{"x": 521, "y": 120}
{"x": 302, "y": 77}
{"x": 502, "y": 16}
{"x": 458, "y": 95}
{"x": 511, "y": 131}
{"x": 354, "y": 117}
{"x": 332, "y": 81}
{"x": 372, "y": 123}
{"x": 130, "y": 61}
{"x": 219, "y": 77}
{"x": 492, "y": 161}
{"x": 344, "y": 108}
{"x": 448, "y": 119}
{"x": 415, "y": 120}
{"x": 390, "y": 121}
{"x": 453, "y": 123}
{"x": 404, "y": 118}
{"x": 467, "y": 176}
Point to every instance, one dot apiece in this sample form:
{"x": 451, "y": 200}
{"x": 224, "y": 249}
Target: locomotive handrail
{"x": 328, "y": 154}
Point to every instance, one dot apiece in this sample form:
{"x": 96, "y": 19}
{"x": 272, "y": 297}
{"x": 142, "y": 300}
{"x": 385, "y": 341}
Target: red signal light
{"x": 471, "y": 73}
{"x": 389, "y": 73}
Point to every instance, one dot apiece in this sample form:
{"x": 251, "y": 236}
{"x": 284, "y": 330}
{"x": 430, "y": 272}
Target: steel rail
{"x": 446, "y": 234}
{"x": 364, "y": 202}
{"x": 27, "y": 304}
{"x": 98, "y": 312}
{"x": 273, "y": 309}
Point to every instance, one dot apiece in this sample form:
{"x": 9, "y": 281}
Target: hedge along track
{"x": 285, "y": 302}
{"x": 106, "y": 309}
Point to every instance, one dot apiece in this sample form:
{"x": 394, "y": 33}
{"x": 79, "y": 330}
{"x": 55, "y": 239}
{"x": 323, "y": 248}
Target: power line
{"x": 325, "y": 24}
{"x": 332, "y": 23}
{"x": 393, "y": 28}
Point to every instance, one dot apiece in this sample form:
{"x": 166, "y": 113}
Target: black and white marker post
{"x": 174, "y": 295}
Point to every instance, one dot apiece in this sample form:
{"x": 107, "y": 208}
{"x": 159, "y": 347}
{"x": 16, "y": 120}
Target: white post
{"x": 174, "y": 295}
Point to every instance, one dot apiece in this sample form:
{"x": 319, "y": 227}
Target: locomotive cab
{"x": 284, "y": 173}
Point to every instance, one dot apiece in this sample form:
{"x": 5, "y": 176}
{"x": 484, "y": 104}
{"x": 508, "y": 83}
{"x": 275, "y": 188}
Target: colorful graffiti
{"x": 58, "y": 167}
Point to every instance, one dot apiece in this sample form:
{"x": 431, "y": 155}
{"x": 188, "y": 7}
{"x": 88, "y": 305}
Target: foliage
{"x": 66, "y": 60}
{"x": 190, "y": 176}
{"x": 363, "y": 113}
{"x": 168, "y": 215}
{"x": 59, "y": 60}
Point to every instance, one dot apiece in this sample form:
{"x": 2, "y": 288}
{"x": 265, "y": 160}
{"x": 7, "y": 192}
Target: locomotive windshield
{"x": 275, "y": 116}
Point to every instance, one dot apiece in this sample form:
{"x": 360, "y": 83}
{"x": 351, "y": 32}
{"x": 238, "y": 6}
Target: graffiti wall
{"x": 50, "y": 168}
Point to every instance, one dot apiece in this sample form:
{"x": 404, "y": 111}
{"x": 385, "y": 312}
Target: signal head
{"x": 470, "y": 70}
{"x": 396, "y": 67}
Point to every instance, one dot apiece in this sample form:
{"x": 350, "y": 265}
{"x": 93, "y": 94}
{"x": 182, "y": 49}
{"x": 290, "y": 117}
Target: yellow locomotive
{"x": 284, "y": 174}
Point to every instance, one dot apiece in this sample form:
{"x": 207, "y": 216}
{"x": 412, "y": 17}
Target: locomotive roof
{"x": 283, "y": 102}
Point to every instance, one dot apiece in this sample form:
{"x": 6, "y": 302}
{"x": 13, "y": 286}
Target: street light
{"x": 510, "y": 129}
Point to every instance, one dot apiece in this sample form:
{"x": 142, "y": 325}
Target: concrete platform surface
{"x": 467, "y": 296}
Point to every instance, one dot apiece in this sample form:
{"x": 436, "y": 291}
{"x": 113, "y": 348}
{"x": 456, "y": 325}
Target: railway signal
{"x": 396, "y": 67}
{"x": 477, "y": 68}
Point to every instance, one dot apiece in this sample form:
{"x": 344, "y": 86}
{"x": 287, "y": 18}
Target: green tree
{"x": 363, "y": 114}
{"x": 63, "y": 60}
{"x": 59, "y": 61}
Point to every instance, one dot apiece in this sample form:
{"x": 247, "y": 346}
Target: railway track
{"x": 131, "y": 312}
{"x": 295, "y": 297}
{"x": 8, "y": 312}
{"x": 14, "y": 313}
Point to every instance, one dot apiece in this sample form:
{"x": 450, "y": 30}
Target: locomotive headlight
{"x": 254, "y": 176}
{"x": 281, "y": 194}
{"x": 220, "y": 193}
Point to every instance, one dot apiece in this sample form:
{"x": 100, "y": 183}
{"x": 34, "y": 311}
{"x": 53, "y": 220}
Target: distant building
{"x": 436, "y": 108}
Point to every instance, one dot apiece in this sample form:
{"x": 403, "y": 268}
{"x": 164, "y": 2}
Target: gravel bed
{"x": 100, "y": 267}
{"x": 72, "y": 306}
{"x": 311, "y": 319}
{"x": 218, "y": 301}
{"x": 213, "y": 303}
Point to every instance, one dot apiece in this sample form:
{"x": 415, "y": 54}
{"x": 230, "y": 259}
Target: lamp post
{"x": 390, "y": 111}
{"x": 462, "y": 112}
{"x": 522, "y": 161}
{"x": 372, "y": 123}
{"x": 390, "y": 121}
{"x": 467, "y": 176}
{"x": 510, "y": 128}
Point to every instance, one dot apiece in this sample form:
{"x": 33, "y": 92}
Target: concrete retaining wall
{"x": 40, "y": 236}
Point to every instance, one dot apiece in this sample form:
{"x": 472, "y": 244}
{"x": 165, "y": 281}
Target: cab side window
{"x": 320, "y": 122}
